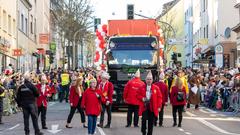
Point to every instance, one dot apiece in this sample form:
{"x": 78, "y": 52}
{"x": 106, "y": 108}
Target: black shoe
{"x": 39, "y": 133}
{"x": 68, "y": 126}
{"x": 107, "y": 126}
{"x": 1, "y": 123}
{"x": 27, "y": 133}
{"x": 128, "y": 126}
{"x": 44, "y": 127}
{"x": 160, "y": 125}
{"x": 179, "y": 125}
{"x": 174, "y": 124}
{"x": 100, "y": 125}
{"x": 136, "y": 126}
{"x": 84, "y": 126}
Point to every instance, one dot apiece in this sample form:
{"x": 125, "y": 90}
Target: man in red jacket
{"x": 107, "y": 89}
{"x": 130, "y": 98}
{"x": 150, "y": 99}
{"x": 164, "y": 91}
{"x": 44, "y": 91}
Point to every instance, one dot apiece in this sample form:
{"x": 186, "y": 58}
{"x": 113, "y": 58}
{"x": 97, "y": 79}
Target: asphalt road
{"x": 195, "y": 122}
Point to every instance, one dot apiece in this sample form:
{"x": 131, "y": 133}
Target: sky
{"x": 117, "y": 9}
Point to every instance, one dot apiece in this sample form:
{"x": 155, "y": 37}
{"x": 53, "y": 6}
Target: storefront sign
{"x": 219, "y": 49}
{"x": 5, "y": 45}
{"x": 44, "y": 38}
{"x": 53, "y": 47}
{"x": 17, "y": 52}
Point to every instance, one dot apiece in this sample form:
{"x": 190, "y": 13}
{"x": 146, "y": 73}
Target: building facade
{"x": 236, "y": 29}
{"x": 8, "y": 35}
{"x": 214, "y": 43}
{"x": 173, "y": 14}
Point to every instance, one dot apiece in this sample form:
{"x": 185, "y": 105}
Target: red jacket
{"x": 42, "y": 99}
{"x": 173, "y": 96}
{"x": 155, "y": 101}
{"x": 73, "y": 96}
{"x": 90, "y": 102}
{"x": 130, "y": 91}
{"x": 107, "y": 92}
{"x": 164, "y": 91}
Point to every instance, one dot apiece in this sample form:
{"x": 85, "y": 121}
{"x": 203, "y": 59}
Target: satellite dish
{"x": 227, "y": 33}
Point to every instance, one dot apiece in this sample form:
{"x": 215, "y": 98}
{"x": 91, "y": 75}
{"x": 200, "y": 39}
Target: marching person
{"x": 26, "y": 98}
{"x": 130, "y": 98}
{"x": 91, "y": 103}
{"x": 75, "y": 98}
{"x": 44, "y": 91}
{"x": 107, "y": 89}
{"x": 164, "y": 91}
{"x": 150, "y": 99}
{"x": 178, "y": 101}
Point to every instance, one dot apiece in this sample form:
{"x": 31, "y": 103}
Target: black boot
{"x": 107, "y": 126}
{"x": 174, "y": 122}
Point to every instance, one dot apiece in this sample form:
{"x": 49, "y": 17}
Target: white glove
{"x": 107, "y": 103}
{"x": 97, "y": 95}
{"x": 159, "y": 109}
{"x": 143, "y": 99}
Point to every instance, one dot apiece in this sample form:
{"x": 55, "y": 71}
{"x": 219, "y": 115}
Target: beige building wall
{"x": 7, "y": 32}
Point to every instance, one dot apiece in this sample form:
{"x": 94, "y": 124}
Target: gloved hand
{"x": 98, "y": 96}
{"x": 107, "y": 103}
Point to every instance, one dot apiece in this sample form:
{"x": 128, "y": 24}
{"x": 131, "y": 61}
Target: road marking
{"x": 101, "y": 131}
{"x": 54, "y": 129}
{"x": 213, "y": 115}
{"x": 191, "y": 114}
{"x": 215, "y": 127}
{"x": 188, "y": 133}
{"x": 190, "y": 118}
{"x": 180, "y": 129}
{"x": 52, "y": 103}
{"x": 201, "y": 110}
{"x": 14, "y": 127}
{"x": 211, "y": 111}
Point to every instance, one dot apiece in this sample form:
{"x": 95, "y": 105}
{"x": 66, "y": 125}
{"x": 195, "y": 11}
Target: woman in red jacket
{"x": 75, "y": 98}
{"x": 178, "y": 101}
{"x": 91, "y": 102}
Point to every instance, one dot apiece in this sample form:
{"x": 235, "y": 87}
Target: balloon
{"x": 97, "y": 56}
{"x": 100, "y": 37}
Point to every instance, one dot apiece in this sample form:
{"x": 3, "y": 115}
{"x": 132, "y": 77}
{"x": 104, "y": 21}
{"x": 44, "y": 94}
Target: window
{"x": 5, "y": 20}
{"x": 31, "y": 25}
{"x": 22, "y": 22}
{"x": 216, "y": 28}
{"x": 9, "y": 25}
{"x": 204, "y": 32}
{"x": 207, "y": 31}
{"x": 14, "y": 27}
{"x": 35, "y": 26}
{"x": 26, "y": 25}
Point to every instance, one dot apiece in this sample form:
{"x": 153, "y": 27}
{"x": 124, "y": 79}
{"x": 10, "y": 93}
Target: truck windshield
{"x": 133, "y": 57}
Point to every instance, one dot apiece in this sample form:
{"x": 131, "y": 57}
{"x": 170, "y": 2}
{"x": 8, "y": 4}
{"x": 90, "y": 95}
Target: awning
{"x": 204, "y": 61}
{"x": 210, "y": 48}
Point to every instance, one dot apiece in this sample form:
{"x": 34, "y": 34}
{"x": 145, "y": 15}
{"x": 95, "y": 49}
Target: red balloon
{"x": 97, "y": 56}
{"x": 100, "y": 37}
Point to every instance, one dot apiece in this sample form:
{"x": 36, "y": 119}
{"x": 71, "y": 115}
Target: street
{"x": 195, "y": 122}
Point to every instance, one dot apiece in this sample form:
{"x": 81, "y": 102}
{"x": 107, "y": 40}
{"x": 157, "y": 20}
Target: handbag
{"x": 180, "y": 96}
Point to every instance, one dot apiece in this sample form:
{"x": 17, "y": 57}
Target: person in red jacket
{"x": 178, "y": 101}
{"x": 164, "y": 91}
{"x": 150, "y": 99}
{"x": 75, "y": 98}
{"x": 44, "y": 91}
{"x": 91, "y": 103}
{"x": 130, "y": 98}
{"x": 107, "y": 89}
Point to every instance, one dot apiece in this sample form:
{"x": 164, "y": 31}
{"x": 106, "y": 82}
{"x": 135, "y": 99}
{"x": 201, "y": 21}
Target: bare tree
{"x": 72, "y": 16}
